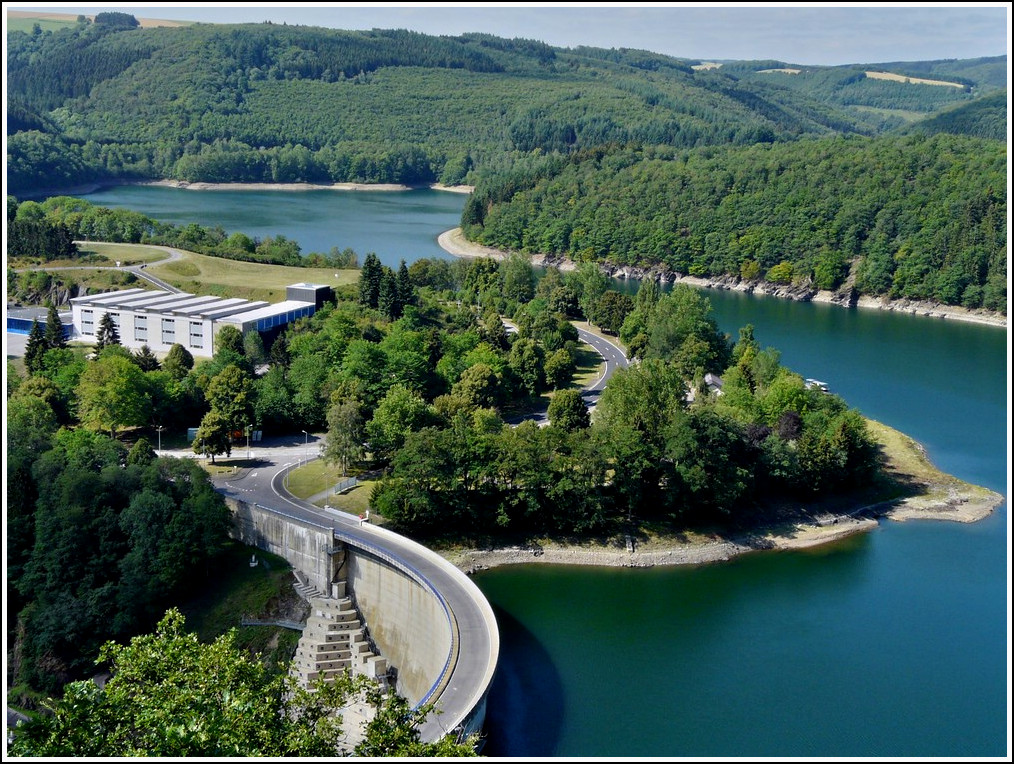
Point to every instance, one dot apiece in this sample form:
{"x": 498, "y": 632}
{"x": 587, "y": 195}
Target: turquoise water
{"x": 395, "y": 225}
{"x": 894, "y": 643}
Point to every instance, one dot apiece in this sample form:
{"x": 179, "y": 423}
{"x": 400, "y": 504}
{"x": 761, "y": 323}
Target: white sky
{"x": 798, "y": 33}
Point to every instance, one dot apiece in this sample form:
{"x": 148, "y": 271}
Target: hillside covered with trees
{"x": 915, "y": 217}
{"x": 262, "y": 102}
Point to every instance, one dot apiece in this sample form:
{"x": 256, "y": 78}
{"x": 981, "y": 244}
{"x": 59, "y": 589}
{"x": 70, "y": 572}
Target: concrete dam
{"x": 427, "y": 618}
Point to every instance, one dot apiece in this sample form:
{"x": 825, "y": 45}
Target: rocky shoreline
{"x": 201, "y": 186}
{"x": 90, "y": 188}
{"x": 454, "y": 243}
{"x": 940, "y": 497}
{"x": 958, "y": 506}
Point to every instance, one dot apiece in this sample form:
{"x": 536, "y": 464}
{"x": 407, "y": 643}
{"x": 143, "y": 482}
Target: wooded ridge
{"x": 269, "y": 103}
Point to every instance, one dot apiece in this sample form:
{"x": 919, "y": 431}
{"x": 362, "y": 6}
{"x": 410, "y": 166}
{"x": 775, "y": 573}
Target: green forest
{"x": 822, "y": 179}
{"x": 270, "y": 103}
{"x": 409, "y": 364}
{"x": 910, "y": 217}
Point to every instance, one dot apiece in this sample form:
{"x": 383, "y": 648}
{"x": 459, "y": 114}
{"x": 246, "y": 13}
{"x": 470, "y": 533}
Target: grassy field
{"x": 125, "y": 254}
{"x": 198, "y": 274}
{"x": 236, "y": 591}
{"x": 316, "y": 476}
{"x": 914, "y": 80}
{"x": 589, "y": 367}
{"x": 908, "y": 116}
{"x": 202, "y": 274}
{"x": 23, "y": 21}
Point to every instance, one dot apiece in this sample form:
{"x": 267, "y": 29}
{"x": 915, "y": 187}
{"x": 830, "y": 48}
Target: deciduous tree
{"x": 171, "y": 695}
{"x": 113, "y": 393}
{"x": 568, "y": 411}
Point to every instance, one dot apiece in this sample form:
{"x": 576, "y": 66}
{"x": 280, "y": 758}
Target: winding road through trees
{"x": 477, "y": 637}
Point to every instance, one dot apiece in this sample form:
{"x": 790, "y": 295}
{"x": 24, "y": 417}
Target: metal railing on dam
{"x": 407, "y": 568}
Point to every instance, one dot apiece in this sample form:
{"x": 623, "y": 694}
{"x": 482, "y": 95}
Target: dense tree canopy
{"x": 918, "y": 218}
{"x": 172, "y": 696}
{"x": 269, "y": 103}
{"x": 106, "y": 543}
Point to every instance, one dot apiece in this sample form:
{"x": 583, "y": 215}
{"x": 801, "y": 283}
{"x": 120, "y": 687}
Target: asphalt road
{"x": 138, "y": 270}
{"x": 615, "y": 359}
{"x": 262, "y": 480}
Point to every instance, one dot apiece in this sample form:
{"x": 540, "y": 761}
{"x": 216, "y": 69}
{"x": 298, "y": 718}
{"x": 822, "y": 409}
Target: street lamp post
{"x": 306, "y": 446}
{"x": 248, "y": 428}
{"x": 159, "y": 428}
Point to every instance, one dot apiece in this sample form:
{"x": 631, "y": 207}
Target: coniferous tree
{"x": 107, "y": 334}
{"x": 369, "y": 280}
{"x": 36, "y": 347}
{"x": 54, "y": 329}
{"x": 146, "y": 359}
{"x": 388, "y": 300}
{"x": 279, "y": 353}
{"x": 387, "y": 296}
{"x": 405, "y": 293}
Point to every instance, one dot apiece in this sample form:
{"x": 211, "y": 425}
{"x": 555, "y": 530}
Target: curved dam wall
{"x": 309, "y": 548}
{"x": 407, "y": 622}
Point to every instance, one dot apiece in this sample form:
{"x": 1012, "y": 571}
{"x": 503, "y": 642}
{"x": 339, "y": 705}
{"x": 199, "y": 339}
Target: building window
{"x": 196, "y": 334}
{"x": 140, "y": 333}
{"x": 87, "y": 322}
{"x": 168, "y": 331}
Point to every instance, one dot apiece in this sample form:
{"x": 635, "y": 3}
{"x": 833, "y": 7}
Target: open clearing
{"x": 23, "y": 20}
{"x": 913, "y": 80}
{"x": 202, "y": 274}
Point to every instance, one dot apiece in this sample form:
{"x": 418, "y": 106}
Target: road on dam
{"x": 262, "y": 481}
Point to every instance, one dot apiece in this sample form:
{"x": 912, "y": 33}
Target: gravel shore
{"x": 940, "y": 497}
{"x": 454, "y": 243}
{"x": 828, "y": 529}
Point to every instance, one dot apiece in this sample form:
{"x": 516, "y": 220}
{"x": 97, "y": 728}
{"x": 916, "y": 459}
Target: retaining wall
{"x": 309, "y": 548}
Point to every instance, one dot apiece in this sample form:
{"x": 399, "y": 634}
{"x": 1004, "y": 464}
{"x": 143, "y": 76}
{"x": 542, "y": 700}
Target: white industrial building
{"x": 160, "y": 319}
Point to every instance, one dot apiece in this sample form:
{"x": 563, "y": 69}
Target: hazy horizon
{"x": 825, "y": 35}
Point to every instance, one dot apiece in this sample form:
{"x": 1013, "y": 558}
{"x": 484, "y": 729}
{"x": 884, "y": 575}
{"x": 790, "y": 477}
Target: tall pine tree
{"x": 369, "y": 280}
{"x": 54, "y": 329}
{"x": 107, "y": 334}
{"x": 388, "y": 301}
{"x": 36, "y": 348}
{"x": 405, "y": 294}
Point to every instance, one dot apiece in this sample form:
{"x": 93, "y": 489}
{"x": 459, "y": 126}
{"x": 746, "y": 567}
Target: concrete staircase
{"x": 334, "y": 640}
{"x": 304, "y": 588}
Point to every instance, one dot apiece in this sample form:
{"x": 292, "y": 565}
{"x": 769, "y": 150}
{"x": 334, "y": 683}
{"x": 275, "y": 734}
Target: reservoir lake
{"x": 891, "y": 643}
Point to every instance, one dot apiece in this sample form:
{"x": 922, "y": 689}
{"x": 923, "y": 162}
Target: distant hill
{"x": 265, "y": 102}
{"x": 24, "y": 21}
{"x": 983, "y": 118}
{"x": 900, "y": 92}
{"x": 985, "y": 74}
{"x": 911, "y": 217}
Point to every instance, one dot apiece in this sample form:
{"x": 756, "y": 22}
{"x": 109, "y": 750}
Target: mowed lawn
{"x": 125, "y": 254}
{"x": 201, "y": 274}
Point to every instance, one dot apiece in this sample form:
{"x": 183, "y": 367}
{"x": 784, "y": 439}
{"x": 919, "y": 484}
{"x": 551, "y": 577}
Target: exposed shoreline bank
{"x": 941, "y": 497}
{"x": 90, "y": 188}
{"x": 454, "y": 243}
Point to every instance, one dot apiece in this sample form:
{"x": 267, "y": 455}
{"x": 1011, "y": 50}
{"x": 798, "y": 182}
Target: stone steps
{"x": 334, "y": 641}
